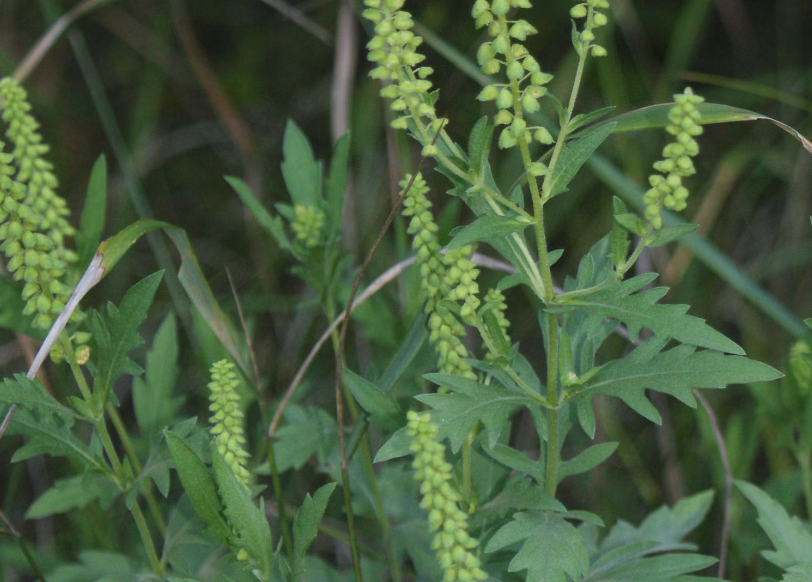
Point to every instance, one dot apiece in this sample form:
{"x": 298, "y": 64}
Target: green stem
{"x": 553, "y": 446}
{"x": 146, "y": 489}
{"x": 356, "y": 559}
{"x": 280, "y": 503}
{"x": 146, "y": 538}
{"x": 806, "y": 478}
{"x": 641, "y": 245}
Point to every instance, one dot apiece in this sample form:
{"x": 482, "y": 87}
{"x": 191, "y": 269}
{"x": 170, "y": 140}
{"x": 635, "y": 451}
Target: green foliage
{"x": 550, "y": 548}
{"x": 305, "y": 525}
{"x": 504, "y": 409}
{"x": 790, "y": 538}
{"x": 117, "y": 334}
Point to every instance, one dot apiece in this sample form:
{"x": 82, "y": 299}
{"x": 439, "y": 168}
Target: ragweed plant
{"x": 227, "y": 419}
{"x": 474, "y": 407}
{"x": 490, "y": 445}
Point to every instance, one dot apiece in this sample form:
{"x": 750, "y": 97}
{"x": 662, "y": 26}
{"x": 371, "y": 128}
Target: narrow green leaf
{"x": 496, "y": 333}
{"x": 300, "y": 170}
{"x": 382, "y": 408}
{"x": 306, "y": 523}
{"x": 251, "y": 530}
{"x": 199, "y": 486}
{"x": 272, "y": 224}
{"x": 619, "y": 237}
{"x": 574, "y": 154}
{"x": 658, "y": 568}
{"x": 656, "y": 117}
{"x": 336, "y": 182}
{"x": 91, "y": 222}
{"x": 485, "y": 228}
{"x": 584, "y": 119}
{"x": 154, "y": 404}
{"x": 115, "y": 247}
{"x": 669, "y": 233}
{"x": 397, "y": 446}
{"x": 792, "y": 541}
{"x": 479, "y": 145}
{"x": 194, "y": 283}
{"x": 586, "y": 460}
{"x": 551, "y": 550}
{"x": 406, "y": 352}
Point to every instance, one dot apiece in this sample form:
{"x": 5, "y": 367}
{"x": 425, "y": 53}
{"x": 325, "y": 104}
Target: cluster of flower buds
{"x": 29, "y": 251}
{"x": 454, "y": 546}
{"x": 227, "y": 419}
{"x": 666, "y": 189}
{"x": 394, "y": 49}
{"x": 451, "y": 276}
{"x": 526, "y": 82}
{"x": 33, "y": 170}
{"x": 308, "y": 225}
{"x": 594, "y": 19}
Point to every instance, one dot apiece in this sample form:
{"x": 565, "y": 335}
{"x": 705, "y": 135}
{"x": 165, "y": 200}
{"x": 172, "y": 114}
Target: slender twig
{"x": 297, "y": 17}
{"x": 344, "y": 65}
{"x": 47, "y": 40}
{"x": 720, "y": 445}
{"x": 238, "y": 130}
{"x": 388, "y": 276}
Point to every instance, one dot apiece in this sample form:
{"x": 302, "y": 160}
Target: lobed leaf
{"x": 676, "y": 372}
{"x": 154, "y": 405}
{"x": 792, "y": 541}
{"x": 619, "y": 301}
{"x": 116, "y": 337}
{"x": 551, "y": 549}
{"x": 469, "y": 403}
{"x": 306, "y": 523}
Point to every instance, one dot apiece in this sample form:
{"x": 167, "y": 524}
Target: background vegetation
{"x": 178, "y": 94}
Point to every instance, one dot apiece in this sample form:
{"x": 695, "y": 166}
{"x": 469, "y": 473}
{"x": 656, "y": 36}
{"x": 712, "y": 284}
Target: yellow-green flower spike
{"x": 456, "y": 549}
{"x": 525, "y": 86}
{"x": 227, "y": 419}
{"x": 33, "y": 170}
{"x": 29, "y": 251}
{"x": 451, "y": 276}
{"x": 666, "y": 189}
{"x": 394, "y": 49}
